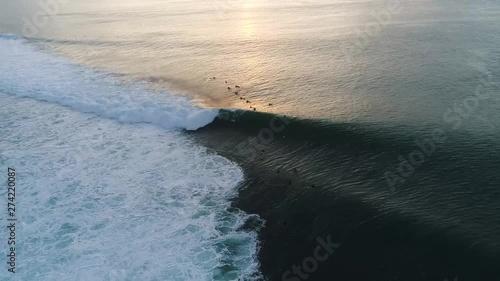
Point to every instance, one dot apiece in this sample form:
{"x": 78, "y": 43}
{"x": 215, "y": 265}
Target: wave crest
{"x": 28, "y": 72}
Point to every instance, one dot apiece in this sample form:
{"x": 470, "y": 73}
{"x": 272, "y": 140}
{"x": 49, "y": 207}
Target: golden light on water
{"x": 248, "y": 28}
{"x": 248, "y": 24}
{"x": 248, "y": 4}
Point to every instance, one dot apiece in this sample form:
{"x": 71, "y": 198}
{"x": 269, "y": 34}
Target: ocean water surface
{"x": 109, "y": 188}
{"x": 220, "y": 140}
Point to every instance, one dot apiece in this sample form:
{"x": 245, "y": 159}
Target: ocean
{"x": 252, "y": 140}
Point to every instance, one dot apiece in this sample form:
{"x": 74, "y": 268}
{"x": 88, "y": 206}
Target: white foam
{"x": 28, "y": 72}
{"x": 103, "y": 200}
{"x": 99, "y": 200}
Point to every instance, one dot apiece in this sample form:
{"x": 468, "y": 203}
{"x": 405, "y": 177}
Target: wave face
{"x": 104, "y": 200}
{"x": 27, "y": 72}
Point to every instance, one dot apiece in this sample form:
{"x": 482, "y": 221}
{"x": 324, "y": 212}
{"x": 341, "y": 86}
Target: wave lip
{"x": 28, "y": 72}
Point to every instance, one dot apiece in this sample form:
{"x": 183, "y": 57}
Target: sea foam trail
{"x": 99, "y": 200}
{"x": 103, "y": 200}
{"x": 28, "y": 72}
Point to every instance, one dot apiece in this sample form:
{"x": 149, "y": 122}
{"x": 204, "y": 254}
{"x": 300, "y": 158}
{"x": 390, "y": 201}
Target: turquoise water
{"x": 108, "y": 187}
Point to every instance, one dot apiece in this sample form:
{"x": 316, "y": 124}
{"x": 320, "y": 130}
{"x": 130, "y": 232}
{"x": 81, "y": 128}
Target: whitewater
{"x": 109, "y": 187}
